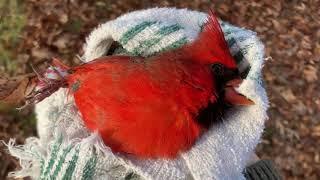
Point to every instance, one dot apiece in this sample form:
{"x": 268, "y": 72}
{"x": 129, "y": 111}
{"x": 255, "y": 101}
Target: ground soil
{"x": 290, "y": 30}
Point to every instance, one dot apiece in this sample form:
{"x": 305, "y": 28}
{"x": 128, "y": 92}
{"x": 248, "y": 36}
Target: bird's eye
{"x": 218, "y": 69}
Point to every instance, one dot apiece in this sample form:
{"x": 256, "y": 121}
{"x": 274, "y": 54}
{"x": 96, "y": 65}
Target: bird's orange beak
{"x": 233, "y": 97}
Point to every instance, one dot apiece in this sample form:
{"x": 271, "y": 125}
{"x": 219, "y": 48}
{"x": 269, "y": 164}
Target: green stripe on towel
{"x": 53, "y": 156}
{"x": 182, "y": 41}
{"x": 61, "y": 162}
{"x": 71, "y": 165}
{"x": 131, "y": 33}
{"x": 89, "y": 168}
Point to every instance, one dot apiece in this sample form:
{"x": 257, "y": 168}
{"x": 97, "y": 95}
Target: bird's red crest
{"x": 211, "y": 46}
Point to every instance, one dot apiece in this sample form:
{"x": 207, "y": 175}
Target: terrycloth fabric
{"x": 65, "y": 148}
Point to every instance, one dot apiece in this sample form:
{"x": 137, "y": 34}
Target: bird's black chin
{"x": 212, "y": 114}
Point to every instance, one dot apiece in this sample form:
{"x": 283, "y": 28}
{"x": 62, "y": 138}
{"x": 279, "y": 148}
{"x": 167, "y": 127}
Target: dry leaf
{"x": 288, "y": 95}
{"x": 40, "y": 53}
{"x": 316, "y": 131}
{"x": 317, "y": 49}
{"x": 63, "y": 18}
{"x": 277, "y": 26}
{"x": 61, "y": 42}
{"x": 310, "y": 73}
{"x": 14, "y": 90}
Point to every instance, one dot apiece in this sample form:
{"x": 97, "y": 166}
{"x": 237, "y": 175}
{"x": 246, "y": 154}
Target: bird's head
{"x": 211, "y": 48}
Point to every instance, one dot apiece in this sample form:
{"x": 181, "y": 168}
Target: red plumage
{"x": 148, "y": 107}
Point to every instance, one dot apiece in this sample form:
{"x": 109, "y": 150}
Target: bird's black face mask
{"x": 226, "y": 80}
{"x": 223, "y": 75}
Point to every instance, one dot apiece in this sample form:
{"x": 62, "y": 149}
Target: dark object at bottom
{"x": 262, "y": 170}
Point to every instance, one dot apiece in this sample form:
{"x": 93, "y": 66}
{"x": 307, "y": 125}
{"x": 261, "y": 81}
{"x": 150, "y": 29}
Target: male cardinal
{"x": 157, "y": 107}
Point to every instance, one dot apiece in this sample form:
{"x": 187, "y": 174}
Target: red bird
{"x": 157, "y": 107}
